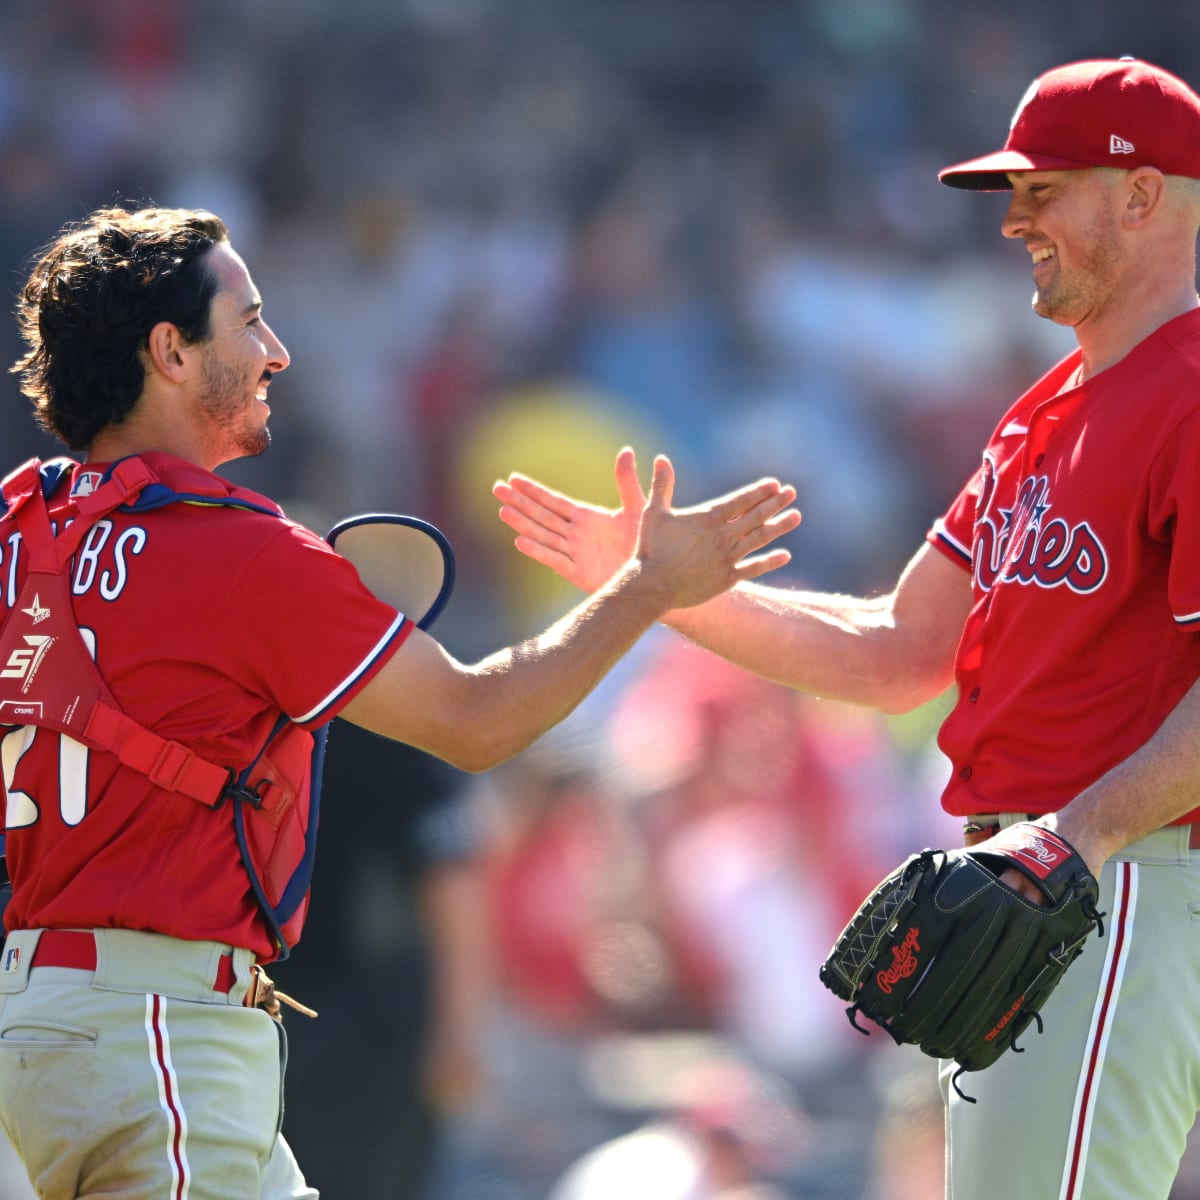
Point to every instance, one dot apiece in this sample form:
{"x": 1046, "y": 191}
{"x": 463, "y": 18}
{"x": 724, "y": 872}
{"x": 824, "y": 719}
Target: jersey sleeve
{"x": 1173, "y": 518}
{"x": 304, "y": 630}
{"x": 952, "y": 532}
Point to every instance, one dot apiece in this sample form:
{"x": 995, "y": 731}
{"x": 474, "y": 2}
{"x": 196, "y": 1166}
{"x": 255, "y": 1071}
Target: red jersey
{"x": 1081, "y": 530}
{"x": 208, "y": 623}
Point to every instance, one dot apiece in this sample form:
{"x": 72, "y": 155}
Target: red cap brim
{"x": 990, "y": 173}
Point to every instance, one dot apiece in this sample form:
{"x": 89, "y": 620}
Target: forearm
{"x": 891, "y": 652}
{"x": 1153, "y": 787}
{"x": 478, "y": 716}
{"x": 839, "y": 647}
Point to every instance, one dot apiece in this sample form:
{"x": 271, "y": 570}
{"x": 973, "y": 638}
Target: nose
{"x": 1016, "y": 217}
{"x": 278, "y": 359}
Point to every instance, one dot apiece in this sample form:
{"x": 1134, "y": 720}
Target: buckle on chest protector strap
{"x": 168, "y": 764}
{"x": 249, "y": 793}
{"x": 172, "y": 766}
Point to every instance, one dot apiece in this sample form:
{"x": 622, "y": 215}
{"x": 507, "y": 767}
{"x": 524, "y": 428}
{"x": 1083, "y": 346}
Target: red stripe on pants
{"x": 170, "y": 1099}
{"x": 1119, "y": 932}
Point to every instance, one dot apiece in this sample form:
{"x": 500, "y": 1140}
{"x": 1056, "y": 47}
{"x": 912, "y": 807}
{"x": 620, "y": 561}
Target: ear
{"x": 168, "y": 353}
{"x": 1145, "y": 194}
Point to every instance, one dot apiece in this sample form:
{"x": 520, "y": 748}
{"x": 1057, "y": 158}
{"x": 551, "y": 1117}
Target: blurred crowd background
{"x": 504, "y": 235}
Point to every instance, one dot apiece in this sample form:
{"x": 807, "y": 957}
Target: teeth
{"x": 1042, "y": 255}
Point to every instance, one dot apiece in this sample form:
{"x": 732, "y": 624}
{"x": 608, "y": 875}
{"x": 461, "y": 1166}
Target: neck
{"x": 1109, "y": 340}
{"x": 138, "y": 433}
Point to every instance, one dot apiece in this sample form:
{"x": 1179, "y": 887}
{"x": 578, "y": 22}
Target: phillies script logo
{"x": 904, "y": 962}
{"x": 1024, "y": 544}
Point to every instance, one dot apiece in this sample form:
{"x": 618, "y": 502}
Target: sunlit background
{"x": 506, "y": 235}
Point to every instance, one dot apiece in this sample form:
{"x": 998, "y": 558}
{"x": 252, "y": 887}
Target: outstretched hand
{"x": 582, "y": 542}
{"x": 587, "y": 544}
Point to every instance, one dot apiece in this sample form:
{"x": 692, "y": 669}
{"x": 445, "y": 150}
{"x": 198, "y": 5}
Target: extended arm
{"x": 480, "y": 715}
{"x": 892, "y": 652}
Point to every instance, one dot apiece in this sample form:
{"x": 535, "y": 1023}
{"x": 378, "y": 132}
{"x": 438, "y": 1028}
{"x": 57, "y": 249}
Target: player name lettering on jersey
{"x": 101, "y": 562}
{"x": 1023, "y": 544}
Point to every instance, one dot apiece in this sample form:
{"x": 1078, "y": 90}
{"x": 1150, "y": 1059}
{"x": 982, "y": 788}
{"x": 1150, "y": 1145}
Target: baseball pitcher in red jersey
{"x": 170, "y": 645}
{"x": 1060, "y": 595}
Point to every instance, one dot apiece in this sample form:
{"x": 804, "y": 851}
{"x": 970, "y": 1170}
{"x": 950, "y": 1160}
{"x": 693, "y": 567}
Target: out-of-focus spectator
{"x": 564, "y": 878}
{"x": 765, "y": 817}
{"x": 907, "y": 1149}
{"x": 720, "y": 1132}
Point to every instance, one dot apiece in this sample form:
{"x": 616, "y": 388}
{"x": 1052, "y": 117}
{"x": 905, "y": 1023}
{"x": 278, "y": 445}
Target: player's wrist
{"x": 643, "y": 587}
{"x": 1082, "y": 836}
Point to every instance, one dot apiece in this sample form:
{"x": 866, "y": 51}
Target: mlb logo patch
{"x": 86, "y": 482}
{"x": 12, "y": 959}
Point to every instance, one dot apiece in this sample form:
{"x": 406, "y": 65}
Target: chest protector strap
{"x": 49, "y": 679}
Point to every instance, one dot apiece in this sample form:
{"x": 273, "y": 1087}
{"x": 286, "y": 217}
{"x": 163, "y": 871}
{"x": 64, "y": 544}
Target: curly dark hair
{"x": 90, "y": 302}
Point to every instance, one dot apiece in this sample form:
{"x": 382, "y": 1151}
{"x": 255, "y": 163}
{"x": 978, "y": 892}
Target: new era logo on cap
{"x": 1068, "y": 117}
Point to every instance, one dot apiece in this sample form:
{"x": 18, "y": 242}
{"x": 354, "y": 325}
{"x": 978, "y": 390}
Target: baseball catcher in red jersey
{"x": 1060, "y": 594}
{"x": 170, "y": 648}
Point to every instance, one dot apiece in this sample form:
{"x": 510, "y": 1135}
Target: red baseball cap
{"x": 1100, "y": 113}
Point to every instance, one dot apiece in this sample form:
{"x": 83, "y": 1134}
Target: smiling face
{"x": 1071, "y": 224}
{"x": 237, "y": 362}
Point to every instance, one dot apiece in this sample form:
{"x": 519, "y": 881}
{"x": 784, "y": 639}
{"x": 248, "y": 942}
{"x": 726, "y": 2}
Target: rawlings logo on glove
{"x": 944, "y": 956}
{"x": 904, "y": 962}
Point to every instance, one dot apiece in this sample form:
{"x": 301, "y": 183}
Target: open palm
{"x": 583, "y": 543}
{"x": 586, "y": 544}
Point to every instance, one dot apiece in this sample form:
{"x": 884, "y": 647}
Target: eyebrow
{"x": 252, "y": 308}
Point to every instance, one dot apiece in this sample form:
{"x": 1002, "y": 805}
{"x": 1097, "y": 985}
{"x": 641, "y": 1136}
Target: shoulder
{"x": 1182, "y": 336}
{"x": 1169, "y": 361}
{"x": 1155, "y": 389}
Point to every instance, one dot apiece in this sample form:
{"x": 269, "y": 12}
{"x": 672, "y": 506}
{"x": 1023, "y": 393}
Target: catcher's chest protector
{"x": 49, "y": 679}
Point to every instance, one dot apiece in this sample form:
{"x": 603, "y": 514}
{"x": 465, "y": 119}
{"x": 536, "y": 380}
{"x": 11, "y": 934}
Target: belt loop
{"x": 974, "y": 833}
{"x": 981, "y": 827}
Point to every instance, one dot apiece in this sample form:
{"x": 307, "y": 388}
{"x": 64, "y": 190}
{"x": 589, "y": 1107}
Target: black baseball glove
{"x": 945, "y": 956}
